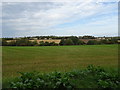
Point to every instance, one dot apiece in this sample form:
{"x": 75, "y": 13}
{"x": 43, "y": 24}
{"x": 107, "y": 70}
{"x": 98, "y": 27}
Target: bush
{"x": 62, "y": 42}
{"x": 91, "y": 76}
{"x": 4, "y": 42}
{"x": 92, "y": 42}
{"x": 81, "y": 42}
{"x": 68, "y": 42}
{"x": 12, "y": 43}
{"x": 75, "y": 40}
{"x": 71, "y": 41}
{"x": 23, "y": 42}
{"x": 48, "y": 43}
{"x": 41, "y": 43}
{"x": 35, "y": 80}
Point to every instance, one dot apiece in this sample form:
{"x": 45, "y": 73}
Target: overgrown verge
{"x": 91, "y": 77}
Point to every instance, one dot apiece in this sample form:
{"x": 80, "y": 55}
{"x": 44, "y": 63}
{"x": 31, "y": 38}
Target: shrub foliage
{"x": 58, "y": 80}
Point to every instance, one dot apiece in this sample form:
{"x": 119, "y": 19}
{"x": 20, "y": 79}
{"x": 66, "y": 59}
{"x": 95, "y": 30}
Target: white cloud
{"x": 39, "y": 17}
{"x": 59, "y": 0}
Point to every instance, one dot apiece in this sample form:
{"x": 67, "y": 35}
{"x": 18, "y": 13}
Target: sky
{"x": 59, "y": 18}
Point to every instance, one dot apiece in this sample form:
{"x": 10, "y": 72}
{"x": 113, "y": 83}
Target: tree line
{"x": 76, "y": 41}
{"x": 52, "y": 37}
{"x": 73, "y": 40}
{"x": 26, "y": 42}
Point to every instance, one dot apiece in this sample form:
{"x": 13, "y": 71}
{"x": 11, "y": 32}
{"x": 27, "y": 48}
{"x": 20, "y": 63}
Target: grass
{"x": 59, "y": 58}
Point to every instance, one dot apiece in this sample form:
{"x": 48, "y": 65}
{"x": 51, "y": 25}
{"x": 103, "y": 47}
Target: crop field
{"x": 59, "y": 58}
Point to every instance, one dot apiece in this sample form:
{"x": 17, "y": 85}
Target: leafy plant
{"x": 36, "y": 80}
{"x": 91, "y": 76}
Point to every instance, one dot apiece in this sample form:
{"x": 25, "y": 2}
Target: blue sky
{"x": 59, "y": 18}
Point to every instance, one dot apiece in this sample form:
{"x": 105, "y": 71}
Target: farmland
{"x": 60, "y": 58}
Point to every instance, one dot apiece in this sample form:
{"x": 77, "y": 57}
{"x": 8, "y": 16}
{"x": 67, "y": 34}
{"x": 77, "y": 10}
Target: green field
{"x": 60, "y": 58}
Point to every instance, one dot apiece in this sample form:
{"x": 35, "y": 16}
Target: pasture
{"x": 59, "y": 58}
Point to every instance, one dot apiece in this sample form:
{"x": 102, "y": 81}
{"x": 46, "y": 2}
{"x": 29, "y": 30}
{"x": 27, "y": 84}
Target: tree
{"x": 12, "y": 43}
{"x": 69, "y": 42}
{"x": 23, "y": 42}
{"x": 113, "y": 41}
{"x": 81, "y": 42}
{"x": 92, "y": 42}
{"x": 75, "y": 40}
{"x": 88, "y": 37}
{"x": 41, "y": 43}
{"x": 4, "y": 42}
{"x": 53, "y": 44}
{"x": 46, "y": 44}
{"x": 34, "y": 43}
{"x": 62, "y": 42}
{"x": 104, "y": 41}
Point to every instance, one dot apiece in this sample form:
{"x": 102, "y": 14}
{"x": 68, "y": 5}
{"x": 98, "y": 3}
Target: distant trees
{"x": 88, "y": 37}
{"x": 12, "y": 43}
{"x": 109, "y": 41}
{"x": 26, "y": 42}
{"x": 53, "y": 44}
{"x": 113, "y": 41}
{"x": 68, "y": 42}
{"x": 73, "y": 40}
{"x": 60, "y": 37}
{"x": 65, "y": 40}
{"x": 7, "y": 38}
{"x": 23, "y": 42}
{"x": 105, "y": 41}
{"x": 4, "y": 42}
{"x": 92, "y": 42}
{"x": 62, "y": 42}
{"x": 34, "y": 43}
{"x": 41, "y": 43}
{"x": 81, "y": 42}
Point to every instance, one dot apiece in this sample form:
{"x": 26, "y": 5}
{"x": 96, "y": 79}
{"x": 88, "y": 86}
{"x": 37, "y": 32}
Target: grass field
{"x": 60, "y": 58}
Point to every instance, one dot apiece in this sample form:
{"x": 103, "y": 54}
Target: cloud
{"x": 45, "y": 16}
{"x": 60, "y": 0}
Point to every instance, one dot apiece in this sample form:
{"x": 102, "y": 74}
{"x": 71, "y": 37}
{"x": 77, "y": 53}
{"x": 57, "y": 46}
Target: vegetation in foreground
{"x": 91, "y": 77}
